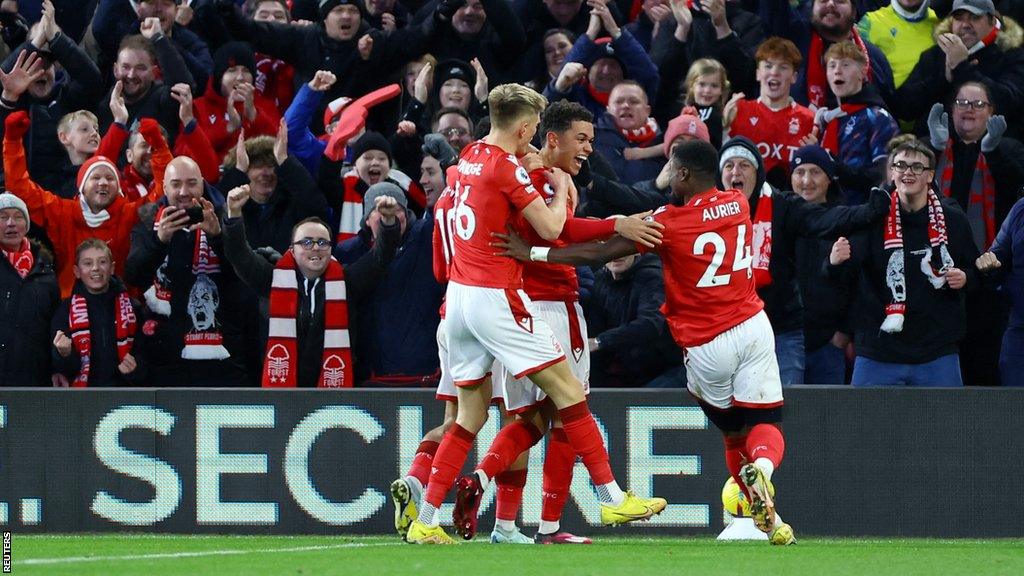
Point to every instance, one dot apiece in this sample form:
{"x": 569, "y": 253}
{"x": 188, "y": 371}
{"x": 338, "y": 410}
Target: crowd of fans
{"x": 176, "y": 175}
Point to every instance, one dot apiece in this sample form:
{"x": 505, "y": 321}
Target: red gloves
{"x": 150, "y": 130}
{"x": 16, "y": 125}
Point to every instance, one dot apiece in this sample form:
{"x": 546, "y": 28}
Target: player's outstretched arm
{"x": 590, "y": 254}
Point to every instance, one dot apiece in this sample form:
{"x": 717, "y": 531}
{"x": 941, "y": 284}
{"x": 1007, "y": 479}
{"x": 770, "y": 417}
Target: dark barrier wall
{"x": 858, "y": 462}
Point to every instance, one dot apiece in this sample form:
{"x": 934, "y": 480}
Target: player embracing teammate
{"x": 714, "y": 314}
{"x": 487, "y": 317}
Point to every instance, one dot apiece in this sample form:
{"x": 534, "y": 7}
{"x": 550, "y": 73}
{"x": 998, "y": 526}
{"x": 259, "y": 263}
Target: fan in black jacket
{"x": 913, "y": 266}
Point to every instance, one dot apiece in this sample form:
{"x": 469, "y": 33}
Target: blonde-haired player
{"x": 487, "y": 317}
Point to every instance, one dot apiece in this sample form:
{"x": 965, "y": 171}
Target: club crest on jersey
{"x": 794, "y": 125}
{"x": 522, "y": 176}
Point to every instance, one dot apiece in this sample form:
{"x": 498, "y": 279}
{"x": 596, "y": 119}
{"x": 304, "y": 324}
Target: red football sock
{"x": 766, "y": 441}
{"x": 510, "y": 442}
{"x": 558, "y": 464}
{"x": 585, "y": 438}
{"x": 420, "y": 468}
{"x": 734, "y": 456}
{"x": 448, "y": 461}
{"x": 509, "y": 493}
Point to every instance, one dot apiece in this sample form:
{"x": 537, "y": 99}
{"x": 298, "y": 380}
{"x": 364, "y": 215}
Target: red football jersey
{"x": 706, "y": 254}
{"x": 542, "y": 280}
{"x": 444, "y": 222}
{"x": 776, "y": 133}
{"x": 490, "y": 187}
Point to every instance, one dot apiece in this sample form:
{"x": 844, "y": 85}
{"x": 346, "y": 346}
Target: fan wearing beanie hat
{"x": 812, "y": 173}
{"x": 99, "y": 211}
{"x": 370, "y": 205}
{"x": 687, "y": 126}
{"x": 454, "y": 81}
{"x": 372, "y": 165}
{"x": 342, "y": 18}
{"x": 231, "y": 102}
{"x": 8, "y": 200}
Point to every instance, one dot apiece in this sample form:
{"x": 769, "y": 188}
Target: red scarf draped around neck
{"x": 817, "y": 81}
{"x": 78, "y": 325}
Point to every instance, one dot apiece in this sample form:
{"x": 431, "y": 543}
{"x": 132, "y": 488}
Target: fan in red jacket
{"x": 234, "y": 67}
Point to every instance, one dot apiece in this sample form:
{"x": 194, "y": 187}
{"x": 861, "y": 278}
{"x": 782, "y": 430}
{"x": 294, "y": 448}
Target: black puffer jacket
{"x": 624, "y": 314}
{"x": 26, "y": 305}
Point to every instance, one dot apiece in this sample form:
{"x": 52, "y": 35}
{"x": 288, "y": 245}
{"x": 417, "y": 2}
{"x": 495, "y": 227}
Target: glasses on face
{"x": 313, "y": 243}
{"x": 916, "y": 168}
{"x": 453, "y": 132}
{"x": 964, "y": 104}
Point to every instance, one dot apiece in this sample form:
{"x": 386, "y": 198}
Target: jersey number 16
{"x": 458, "y": 221}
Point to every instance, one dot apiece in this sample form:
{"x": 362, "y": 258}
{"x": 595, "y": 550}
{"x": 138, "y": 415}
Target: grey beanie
{"x": 8, "y": 200}
{"x": 382, "y": 189}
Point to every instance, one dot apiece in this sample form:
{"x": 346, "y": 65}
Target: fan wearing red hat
{"x": 231, "y": 102}
{"x": 99, "y": 210}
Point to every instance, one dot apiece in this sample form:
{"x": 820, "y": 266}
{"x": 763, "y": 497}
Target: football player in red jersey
{"x": 487, "y": 318}
{"x": 714, "y": 314}
{"x": 568, "y": 131}
{"x": 774, "y": 121}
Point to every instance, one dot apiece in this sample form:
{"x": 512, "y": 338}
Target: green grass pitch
{"x": 159, "y": 555}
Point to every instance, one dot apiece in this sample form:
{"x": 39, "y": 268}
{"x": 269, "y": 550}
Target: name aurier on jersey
{"x": 721, "y": 211}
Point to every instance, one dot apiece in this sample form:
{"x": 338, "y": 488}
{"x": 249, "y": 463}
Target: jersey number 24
{"x": 743, "y": 256}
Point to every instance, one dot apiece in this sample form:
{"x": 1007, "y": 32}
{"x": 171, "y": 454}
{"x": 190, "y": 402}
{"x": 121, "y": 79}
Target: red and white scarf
{"x": 895, "y": 274}
{"x": 989, "y": 38}
{"x": 643, "y": 135}
{"x": 982, "y": 192}
{"x": 78, "y": 325}
{"x": 201, "y": 342}
{"x": 762, "y": 241}
{"x": 817, "y": 81}
{"x": 830, "y": 141}
{"x": 21, "y": 259}
{"x": 279, "y": 363}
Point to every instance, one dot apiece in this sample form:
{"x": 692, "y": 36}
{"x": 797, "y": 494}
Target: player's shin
{"x": 766, "y": 447}
{"x": 586, "y": 440}
{"x": 448, "y": 461}
{"x": 509, "y": 497}
{"x": 735, "y": 457}
{"x": 514, "y": 439}
{"x": 558, "y": 466}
